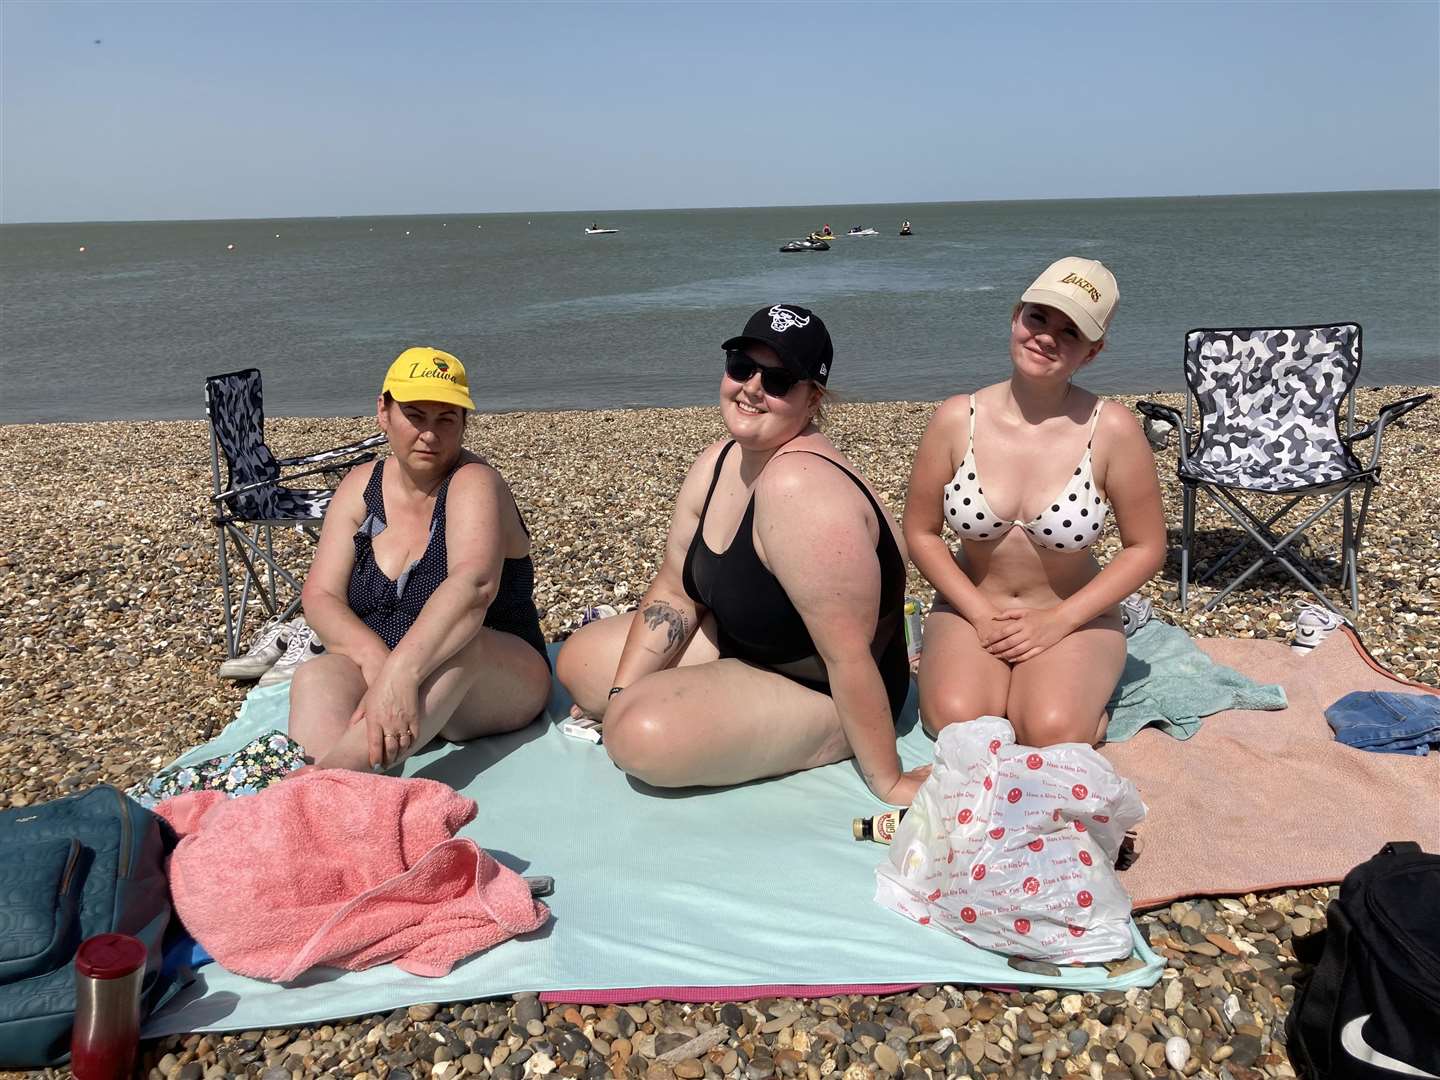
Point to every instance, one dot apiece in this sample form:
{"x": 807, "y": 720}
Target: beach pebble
{"x": 1177, "y": 1052}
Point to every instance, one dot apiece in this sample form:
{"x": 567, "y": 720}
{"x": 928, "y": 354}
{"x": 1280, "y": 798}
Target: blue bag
{"x": 86, "y": 864}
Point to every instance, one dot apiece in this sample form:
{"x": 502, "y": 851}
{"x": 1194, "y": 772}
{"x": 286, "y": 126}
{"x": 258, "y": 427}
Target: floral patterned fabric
{"x": 256, "y": 765}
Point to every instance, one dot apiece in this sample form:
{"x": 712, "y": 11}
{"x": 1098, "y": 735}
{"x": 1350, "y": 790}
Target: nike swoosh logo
{"x": 1352, "y": 1038}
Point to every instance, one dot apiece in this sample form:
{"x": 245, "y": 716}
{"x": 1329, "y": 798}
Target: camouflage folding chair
{"x": 1269, "y": 404}
{"x": 256, "y": 498}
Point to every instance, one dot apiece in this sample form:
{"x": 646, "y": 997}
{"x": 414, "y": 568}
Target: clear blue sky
{"x": 187, "y": 110}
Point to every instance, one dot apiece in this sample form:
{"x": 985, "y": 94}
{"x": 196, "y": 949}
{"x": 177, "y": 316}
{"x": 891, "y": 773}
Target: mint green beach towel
{"x": 1168, "y": 682}
{"x": 692, "y": 894}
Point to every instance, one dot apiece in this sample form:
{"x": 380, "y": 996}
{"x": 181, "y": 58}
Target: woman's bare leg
{"x": 719, "y": 723}
{"x": 323, "y": 694}
{"x": 588, "y": 659}
{"x": 958, "y": 679}
{"x": 494, "y": 684}
{"x": 1060, "y": 695}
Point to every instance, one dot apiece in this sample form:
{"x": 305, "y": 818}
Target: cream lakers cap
{"x": 1082, "y": 288}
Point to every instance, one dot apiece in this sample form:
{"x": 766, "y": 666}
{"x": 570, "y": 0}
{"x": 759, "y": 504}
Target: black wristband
{"x": 613, "y": 691}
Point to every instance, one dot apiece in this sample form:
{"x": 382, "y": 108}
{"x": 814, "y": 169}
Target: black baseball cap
{"x": 796, "y": 334}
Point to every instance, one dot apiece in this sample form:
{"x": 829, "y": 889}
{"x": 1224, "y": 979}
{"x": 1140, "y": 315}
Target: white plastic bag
{"x": 1013, "y": 848}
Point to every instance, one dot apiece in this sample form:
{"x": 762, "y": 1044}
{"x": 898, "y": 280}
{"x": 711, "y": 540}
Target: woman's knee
{"x": 641, "y": 739}
{"x": 939, "y": 709}
{"x": 1053, "y": 722}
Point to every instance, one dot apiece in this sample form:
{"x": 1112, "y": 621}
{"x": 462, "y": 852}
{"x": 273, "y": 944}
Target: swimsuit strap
{"x": 1094, "y": 420}
{"x": 715, "y": 479}
{"x": 374, "y": 495}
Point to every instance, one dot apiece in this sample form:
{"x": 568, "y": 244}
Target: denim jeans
{"x": 1387, "y": 722}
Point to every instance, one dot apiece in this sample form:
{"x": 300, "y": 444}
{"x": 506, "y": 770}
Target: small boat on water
{"x": 861, "y": 230}
{"x": 805, "y": 245}
{"x": 596, "y": 230}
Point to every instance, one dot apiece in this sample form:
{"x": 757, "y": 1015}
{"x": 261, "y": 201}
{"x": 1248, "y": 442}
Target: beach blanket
{"x": 340, "y": 868}
{"x": 1269, "y": 800}
{"x": 700, "y": 895}
{"x": 1169, "y": 682}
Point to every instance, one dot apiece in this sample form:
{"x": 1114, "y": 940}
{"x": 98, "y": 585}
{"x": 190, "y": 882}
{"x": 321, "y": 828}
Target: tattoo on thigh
{"x": 658, "y": 615}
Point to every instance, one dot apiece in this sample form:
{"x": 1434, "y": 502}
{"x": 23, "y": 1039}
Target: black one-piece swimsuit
{"x": 754, "y": 618}
{"x": 390, "y": 607}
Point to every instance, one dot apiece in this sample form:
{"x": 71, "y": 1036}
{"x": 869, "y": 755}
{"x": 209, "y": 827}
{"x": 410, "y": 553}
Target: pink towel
{"x": 344, "y": 869}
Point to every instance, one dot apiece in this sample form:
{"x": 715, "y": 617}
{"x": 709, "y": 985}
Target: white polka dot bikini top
{"x": 1072, "y": 520}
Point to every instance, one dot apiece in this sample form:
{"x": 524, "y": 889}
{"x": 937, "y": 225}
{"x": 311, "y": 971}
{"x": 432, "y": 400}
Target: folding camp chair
{"x": 1269, "y": 402}
{"x": 254, "y": 501}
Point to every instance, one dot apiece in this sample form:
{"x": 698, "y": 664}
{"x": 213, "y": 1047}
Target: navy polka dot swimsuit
{"x": 390, "y": 608}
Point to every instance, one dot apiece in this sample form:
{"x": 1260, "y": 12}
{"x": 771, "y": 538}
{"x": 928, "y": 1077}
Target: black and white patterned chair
{"x": 256, "y": 498}
{"x": 1269, "y": 403}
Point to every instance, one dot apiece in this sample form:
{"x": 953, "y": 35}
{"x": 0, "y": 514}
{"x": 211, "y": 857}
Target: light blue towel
{"x": 1170, "y": 683}
{"x": 734, "y": 887}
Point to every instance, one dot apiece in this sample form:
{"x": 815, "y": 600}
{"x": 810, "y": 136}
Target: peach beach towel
{"x": 343, "y": 869}
{"x": 1269, "y": 800}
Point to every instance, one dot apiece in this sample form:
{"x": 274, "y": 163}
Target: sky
{"x": 138, "y": 111}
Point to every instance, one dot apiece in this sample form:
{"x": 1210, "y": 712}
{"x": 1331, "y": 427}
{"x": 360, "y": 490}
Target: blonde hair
{"x": 825, "y": 398}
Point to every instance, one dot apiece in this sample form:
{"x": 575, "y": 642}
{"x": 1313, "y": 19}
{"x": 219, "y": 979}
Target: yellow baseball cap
{"x": 1084, "y": 289}
{"x": 426, "y": 374}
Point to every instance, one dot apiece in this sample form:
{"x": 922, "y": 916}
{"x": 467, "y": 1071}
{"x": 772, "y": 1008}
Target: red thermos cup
{"x": 109, "y": 970}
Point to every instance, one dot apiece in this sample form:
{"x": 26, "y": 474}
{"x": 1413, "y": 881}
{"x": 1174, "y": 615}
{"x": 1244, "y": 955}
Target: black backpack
{"x": 1371, "y": 1009}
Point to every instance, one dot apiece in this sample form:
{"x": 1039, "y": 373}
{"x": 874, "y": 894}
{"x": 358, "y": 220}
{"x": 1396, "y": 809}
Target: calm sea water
{"x": 545, "y": 317}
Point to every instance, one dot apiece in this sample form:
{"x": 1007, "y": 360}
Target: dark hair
{"x": 465, "y": 414}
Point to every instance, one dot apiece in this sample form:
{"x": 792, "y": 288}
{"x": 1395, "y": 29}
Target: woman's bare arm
{"x": 325, "y": 599}
{"x": 818, "y": 534}
{"x": 667, "y": 616}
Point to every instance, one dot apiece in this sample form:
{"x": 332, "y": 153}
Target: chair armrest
{"x": 337, "y": 452}
{"x": 1376, "y": 427}
{"x": 1153, "y": 410}
{"x": 359, "y": 459}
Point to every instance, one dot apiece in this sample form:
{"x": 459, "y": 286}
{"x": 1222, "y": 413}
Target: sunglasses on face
{"x": 775, "y": 381}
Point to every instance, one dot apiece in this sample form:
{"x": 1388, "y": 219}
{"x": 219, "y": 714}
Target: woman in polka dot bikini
{"x": 421, "y": 590}
{"x": 1026, "y": 623}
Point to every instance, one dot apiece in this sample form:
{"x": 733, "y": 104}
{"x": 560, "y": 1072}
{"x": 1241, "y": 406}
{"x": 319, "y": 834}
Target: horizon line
{"x": 690, "y": 209}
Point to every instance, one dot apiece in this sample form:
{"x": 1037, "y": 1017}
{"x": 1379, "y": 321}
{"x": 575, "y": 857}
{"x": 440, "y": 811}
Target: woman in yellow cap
{"x": 421, "y": 590}
{"x": 1026, "y": 624}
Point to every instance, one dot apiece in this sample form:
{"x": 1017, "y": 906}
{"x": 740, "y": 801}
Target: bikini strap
{"x": 1094, "y": 420}
{"x": 715, "y": 479}
{"x": 970, "y": 434}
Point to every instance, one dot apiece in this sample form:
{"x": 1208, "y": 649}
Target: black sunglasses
{"x": 775, "y": 381}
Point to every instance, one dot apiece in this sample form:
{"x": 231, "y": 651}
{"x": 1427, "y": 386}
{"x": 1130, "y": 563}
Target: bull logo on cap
{"x": 782, "y": 319}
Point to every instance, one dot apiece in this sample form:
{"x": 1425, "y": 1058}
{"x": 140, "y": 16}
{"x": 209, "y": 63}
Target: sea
{"x": 123, "y": 320}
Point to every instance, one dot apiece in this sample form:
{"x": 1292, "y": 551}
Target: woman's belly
{"x": 1013, "y": 572}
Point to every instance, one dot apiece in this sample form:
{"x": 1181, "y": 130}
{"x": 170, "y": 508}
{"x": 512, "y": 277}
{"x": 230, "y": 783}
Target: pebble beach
{"x": 111, "y": 634}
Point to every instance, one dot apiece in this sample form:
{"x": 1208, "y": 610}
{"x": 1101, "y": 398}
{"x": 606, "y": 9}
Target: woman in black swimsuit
{"x": 420, "y": 589}
{"x": 772, "y": 638}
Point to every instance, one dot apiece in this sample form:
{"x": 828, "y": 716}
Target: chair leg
{"x": 230, "y": 635}
{"x": 1187, "y": 537}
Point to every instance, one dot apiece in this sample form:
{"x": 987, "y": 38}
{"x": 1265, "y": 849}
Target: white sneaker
{"x": 1313, "y": 624}
{"x": 1135, "y": 612}
{"x": 263, "y": 652}
{"x": 303, "y": 645}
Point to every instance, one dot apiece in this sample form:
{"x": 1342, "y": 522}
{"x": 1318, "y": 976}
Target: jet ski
{"x": 821, "y": 238}
{"x": 905, "y": 230}
{"x": 805, "y": 245}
